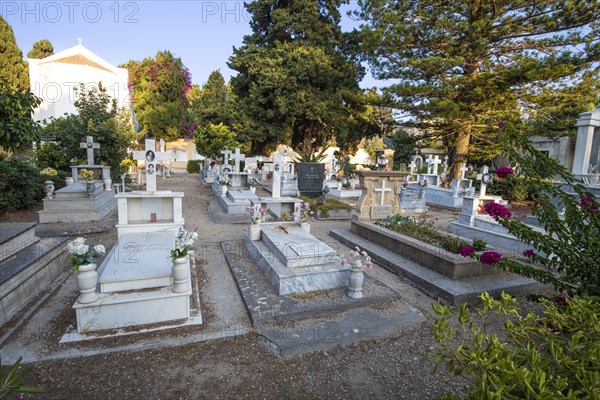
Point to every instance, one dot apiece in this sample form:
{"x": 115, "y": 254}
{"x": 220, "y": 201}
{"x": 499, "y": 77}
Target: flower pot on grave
{"x": 87, "y": 278}
{"x": 107, "y": 184}
{"x": 355, "y": 283}
{"x": 254, "y": 232}
{"x": 90, "y": 188}
{"x": 252, "y": 189}
{"x": 49, "y": 186}
{"x": 339, "y": 186}
{"x": 305, "y": 226}
{"x": 180, "y": 272}
{"x": 310, "y": 178}
{"x": 223, "y": 190}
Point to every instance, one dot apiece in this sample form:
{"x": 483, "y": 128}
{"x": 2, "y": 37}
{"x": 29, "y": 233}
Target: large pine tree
{"x": 12, "y": 68}
{"x": 41, "y": 49}
{"x": 462, "y": 65}
{"x": 296, "y": 84}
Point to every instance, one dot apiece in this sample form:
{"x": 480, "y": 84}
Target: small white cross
{"x": 226, "y": 156}
{"x": 150, "y": 157}
{"x": 445, "y": 163}
{"x": 463, "y": 171}
{"x": 432, "y": 164}
{"x": 382, "y": 190}
{"x": 90, "y": 146}
{"x": 483, "y": 186}
{"x": 237, "y": 156}
{"x": 80, "y": 40}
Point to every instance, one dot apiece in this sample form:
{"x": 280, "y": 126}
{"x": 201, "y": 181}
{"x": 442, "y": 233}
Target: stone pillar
{"x": 586, "y": 124}
{"x": 379, "y": 194}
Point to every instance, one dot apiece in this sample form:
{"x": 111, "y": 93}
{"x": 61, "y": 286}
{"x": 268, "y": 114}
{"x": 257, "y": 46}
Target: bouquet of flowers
{"x": 183, "y": 241}
{"x": 360, "y": 260}
{"x": 253, "y": 182}
{"x": 86, "y": 174}
{"x": 49, "y": 171}
{"x": 82, "y": 253}
{"x": 225, "y": 182}
{"x": 423, "y": 183}
{"x": 304, "y": 211}
{"x": 256, "y": 213}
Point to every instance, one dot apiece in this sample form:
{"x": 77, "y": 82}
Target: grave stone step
{"x": 295, "y": 247}
{"x": 77, "y": 190}
{"x": 16, "y": 236}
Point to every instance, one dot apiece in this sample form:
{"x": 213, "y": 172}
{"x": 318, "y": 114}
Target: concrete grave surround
{"x": 73, "y": 204}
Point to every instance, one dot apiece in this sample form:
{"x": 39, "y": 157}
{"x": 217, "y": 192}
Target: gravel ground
{"x": 172, "y": 366}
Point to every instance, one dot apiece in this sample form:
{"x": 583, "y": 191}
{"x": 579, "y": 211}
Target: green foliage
{"x": 160, "y": 103}
{"x": 549, "y": 356}
{"x": 12, "y": 68}
{"x": 322, "y": 208}
{"x": 12, "y": 381}
{"x": 421, "y": 229}
{"x": 21, "y": 185}
{"x": 41, "y": 49}
{"x": 310, "y": 157}
{"x": 297, "y": 83}
{"x": 211, "y": 139}
{"x": 479, "y": 244}
{"x": 569, "y": 249}
{"x": 193, "y": 166}
{"x": 511, "y": 188}
{"x": 51, "y": 154}
{"x": 404, "y": 147}
{"x": 17, "y": 128}
{"x": 462, "y": 64}
{"x": 452, "y": 243}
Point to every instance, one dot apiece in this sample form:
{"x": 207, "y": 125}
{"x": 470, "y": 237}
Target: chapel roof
{"x": 79, "y": 59}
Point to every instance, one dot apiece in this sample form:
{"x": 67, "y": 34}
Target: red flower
{"x": 490, "y": 257}
{"x": 528, "y": 253}
{"x": 466, "y": 251}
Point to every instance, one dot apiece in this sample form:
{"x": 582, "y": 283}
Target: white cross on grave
{"x": 90, "y": 146}
{"x": 483, "y": 178}
{"x": 445, "y": 163}
{"x": 237, "y": 157}
{"x": 463, "y": 171}
{"x": 150, "y": 157}
{"x": 382, "y": 190}
{"x": 226, "y": 155}
{"x": 432, "y": 164}
{"x": 413, "y": 167}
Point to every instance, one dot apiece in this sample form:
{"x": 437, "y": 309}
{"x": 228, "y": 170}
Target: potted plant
{"x": 304, "y": 213}
{"x": 252, "y": 183}
{"x": 180, "y": 255}
{"x": 83, "y": 256}
{"x": 256, "y": 214}
{"x": 88, "y": 176}
{"x": 360, "y": 261}
{"x": 311, "y": 173}
{"x": 225, "y": 182}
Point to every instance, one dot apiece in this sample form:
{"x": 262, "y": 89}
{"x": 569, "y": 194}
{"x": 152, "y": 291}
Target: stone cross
{"x": 237, "y": 157}
{"x": 413, "y": 166}
{"x": 277, "y": 170}
{"x": 79, "y": 40}
{"x": 432, "y": 164}
{"x": 463, "y": 171}
{"x": 483, "y": 184}
{"x": 226, "y": 156}
{"x": 90, "y": 146}
{"x": 445, "y": 163}
{"x": 382, "y": 190}
{"x": 150, "y": 157}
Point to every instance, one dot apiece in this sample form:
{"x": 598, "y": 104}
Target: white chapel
{"x": 55, "y": 78}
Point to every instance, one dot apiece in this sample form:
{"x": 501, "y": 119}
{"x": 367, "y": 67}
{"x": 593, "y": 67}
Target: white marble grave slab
{"x": 138, "y": 261}
{"x": 295, "y": 247}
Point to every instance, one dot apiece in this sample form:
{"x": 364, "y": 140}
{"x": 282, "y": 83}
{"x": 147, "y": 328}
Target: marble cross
{"x": 90, "y": 146}
{"x": 237, "y": 157}
{"x": 445, "y": 163}
{"x": 463, "y": 171}
{"x": 150, "y": 157}
{"x": 482, "y": 178}
{"x": 382, "y": 190}
{"x": 226, "y": 155}
{"x": 432, "y": 164}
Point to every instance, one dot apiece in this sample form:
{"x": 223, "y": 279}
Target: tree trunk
{"x": 459, "y": 154}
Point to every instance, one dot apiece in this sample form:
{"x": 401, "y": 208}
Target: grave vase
{"x": 223, "y": 190}
{"x": 87, "y": 277}
{"x": 355, "y": 283}
{"x": 252, "y": 189}
{"x": 91, "y": 188}
{"x": 49, "y": 186}
{"x": 107, "y": 184}
{"x": 305, "y": 226}
{"x": 180, "y": 274}
{"x": 254, "y": 232}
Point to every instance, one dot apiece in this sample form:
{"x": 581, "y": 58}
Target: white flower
{"x": 79, "y": 240}
{"x": 81, "y": 248}
{"x": 99, "y": 249}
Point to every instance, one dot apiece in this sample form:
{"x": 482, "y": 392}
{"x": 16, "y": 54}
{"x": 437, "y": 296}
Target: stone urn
{"x": 49, "y": 186}
{"x": 305, "y": 226}
{"x": 180, "y": 272}
{"x": 355, "y": 283}
{"x": 223, "y": 190}
{"x": 252, "y": 189}
{"x": 87, "y": 278}
{"x": 91, "y": 188}
{"x": 254, "y": 232}
{"x": 107, "y": 184}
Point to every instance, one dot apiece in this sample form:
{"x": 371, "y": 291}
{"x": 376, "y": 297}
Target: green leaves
{"x": 13, "y": 381}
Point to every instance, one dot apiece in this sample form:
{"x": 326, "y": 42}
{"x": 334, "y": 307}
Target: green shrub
{"x": 549, "y": 356}
{"x": 511, "y": 188}
{"x": 50, "y": 154}
{"x": 21, "y": 185}
{"x": 452, "y": 243}
{"x": 479, "y": 244}
{"x": 193, "y": 166}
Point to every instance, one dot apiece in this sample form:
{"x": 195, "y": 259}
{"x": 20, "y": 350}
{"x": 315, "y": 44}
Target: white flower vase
{"x": 355, "y": 283}
{"x": 107, "y": 185}
{"x": 223, "y": 190}
{"x": 305, "y": 226}
{"x": 180, "y": 274}
{"x": 252, "y": 189}
{"x": 87, "y": 278}
{"x": 49, "y": 186}
{"x": 339, "y": 186}
{"x": 254, "y": 232}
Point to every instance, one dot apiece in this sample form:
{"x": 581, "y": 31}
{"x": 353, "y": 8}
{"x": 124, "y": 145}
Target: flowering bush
{"x": 253, "y": 182}
{"x": 466, "y": 251}
{"x": 496, "y": 211}
{"x": 49, "y": 171}
{"x": 528, "y": 253}
{"x": 82, "y": 253}
{"x": 490, "y": 257}
{"x": 256, "y": 213}
{"x": 360, "y": 260}
{"x": 86, "y": 174}
{"x": 304, "y": 211}
{"x": 183, "y": 241}
{"x": 504, "y": 171}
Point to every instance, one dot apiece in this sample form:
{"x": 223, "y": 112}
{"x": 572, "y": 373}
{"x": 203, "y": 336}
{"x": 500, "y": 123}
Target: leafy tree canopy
{"x": 12, "y": 68}
{"x": 462, "y": 64}
{"x": 17, "y": 128}
{"x": 211, "y": 139}
{"x": 41, "y": 49}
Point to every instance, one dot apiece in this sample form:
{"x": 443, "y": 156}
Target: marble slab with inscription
{"x": 138, "y": 261}
{"x": 380, "y": 212}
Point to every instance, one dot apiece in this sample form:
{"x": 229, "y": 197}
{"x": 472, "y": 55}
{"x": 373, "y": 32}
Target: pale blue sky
{"x": 202, "y": 33}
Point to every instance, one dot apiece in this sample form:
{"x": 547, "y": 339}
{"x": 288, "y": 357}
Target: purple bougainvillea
{"x": 504, "y": 171}
{"x": 589, "y": 203}
{"x": 528, "y": 253}
{"x": 496, "y": 210}
{"x": 466, "y": 251}
{"x": 490, "y": 257}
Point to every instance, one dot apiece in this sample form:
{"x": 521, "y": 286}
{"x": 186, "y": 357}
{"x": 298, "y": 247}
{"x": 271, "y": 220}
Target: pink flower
{"x": 490, "y": 257}
{"x": 503, "y": 172}
{"x": 589, "y": 203}
{"x": 562, "y": 300}
{"x": 496, "y": 210}
{"x": 466, "y": 251}
{"x": 528, "y": 253}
